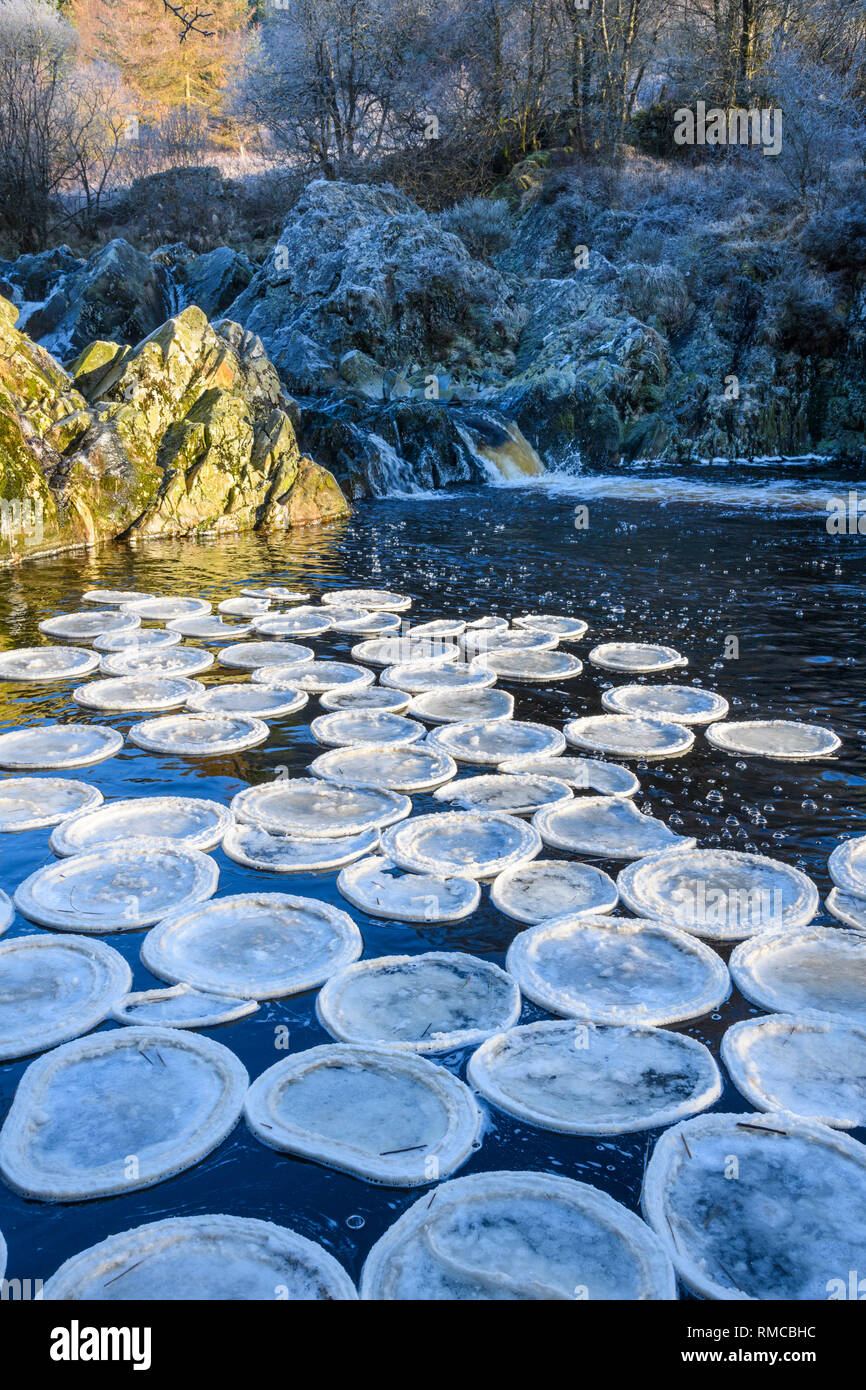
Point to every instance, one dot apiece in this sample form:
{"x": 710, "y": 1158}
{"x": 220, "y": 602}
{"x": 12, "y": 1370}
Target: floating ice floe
{"x": 30, "y": 803}
{"x": 206, "y": 1258}
{"x": 628, "y": 737}
{"x": 244, "y": 607}
{"x": 385, "y": 1117}
{"x": 420, "y": 676}
{"x": 301, "y": 622}
{"x": 136, "y": 694}
{"x": 46, "y": 663}
{"x": 199, "y": 735}
{"x": 260, "y": 701}
{"x": 52, "y": 988}
{"x": 366, "y": 697}
{"x": 117, "y": 1111}
{"x": 518, "y": 794}
{"x": 277, "y": 594}
{"x": 163, "y": 610}
{"x": 7, "y": 911}
{"x": 114, "y": 598}
{"x": 847, "y": 867}
{"x": 380, "y": 600}
{"x": 181, "y": 1006}
{"x": 209, "y": 629}
{"x": 517, "y": 1237}
{"x": 254, "y": 945}
{"x": 642, "y": 657}
{"x": 315, "y": 676}
{"x": 721, "y": 894}
{"x": 819, "y": 970}
{"x": 186, "y": 820}
{"x": 487, "y": 624}
{"x": 553, "y": 888}
{"x": 439, "y": 628}
{"x": 381, "y": 728}
{"x": 606, "y": 827}
{"x": 157, "y": 661}
{"x": 806, "y": 1064}
{"x": 50, "y": 746}
{"x": 408, "y": 768}
{"x": 255, "y": 656}
{"x": 489, "y": 742}
{"x": 523, "y": 664}
{"x": 844, "y": 907}
{"x": 589, "y": 1078}
{"x": 774, "y": 738}
{"x": 683, "y": 704}
{"x": 583, "y": 774}
{"x": 76, "y": 627}
{"x": 117, "y": 887}
{"x": 389, "y": 651}
{"x": 792, "y": 1224}
{"x": 139, "y": 639}
{"x": 312, "y": 808}
{"x": 453, "y": 705}
{"x": 433, "y": 1002}
{"x": 617, "y": 970}
{"x": 261, "y": 849}
{"x": 565, "y": 629}
{"x": 477, "y": 844}
{"x": 518, "y": 640}
{"x": 381, "y": 889}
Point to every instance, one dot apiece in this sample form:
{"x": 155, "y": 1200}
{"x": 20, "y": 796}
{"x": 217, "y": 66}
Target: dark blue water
{"x": 758, "y": 565}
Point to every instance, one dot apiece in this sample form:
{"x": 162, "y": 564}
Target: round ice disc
{"x": 518, "y": 794}
{"x": 7, "y": 911}
{"x": 187, "y": 820}
{"x": 490, "y": 742}
{"x": 133, "y": 694}
{"x": 459, "y": 706}
{"x": 163, "y": 610}
{"x": 157, "y": 661}
{"x": 847, "y": 866}
{"x": 206, "y": 1258}
{"x": 433, "y": 1002}
{"x": 477, "y": 844}
{"x": 77, "y": 627}
{"x": 489, "y": 623}
{"x": 113, "y": 598}
{"x": 46, "y": 663}
{"x": 533, "y": 666}
{"x": 254, "y": 656}
{"x": 382, "y": 600}
{"x": 806, "y": 1064}
{"x": 551, "y": 888}
{"x": 389, "y": 651}
{"x": 774, "y": 738}
{"x": 54, "y": 987}
{"x": 244, "y": 607}
{"x": 315, "y": 676}
{"x": 256, "y": 848}
{"x": 164, "y": 1096}
{"x": 565, "y": 629}
{"x": 308, "y": 807}
{"x": 627, "y": 737}
{"x": 49, "y": 746}
{"x": 438, "y": 627}
{"x": 790, "y": 1225}
{"x": 475, "y": 643}
{"x": 636, "y": 657}
{"x": 583, "y": 774}
{"x": 381, "y": 728}
{"x": 117, "y": 887}
{"x": 139, "y": 639}
{"x": 379, "y": 888}
{"x": 260, "y": 701}
{"x": 199, "y": 735}
{"x": 277, "y": 594}
{"x": 720, "y": 894}
{"x": 359, "y": 623}
{"x": 379, "y": 1115}
{"x": 564, "y": 1240}
{"x": 180, "y": 1007}
{"x": 819, "y": 969}
{"x": 368, "y": 697}
{"x": 606, "y": 827}
{"x": 617, "y": 970}
{"x": 683, "y": 704}
{"x": 589, "y": 1078}
{"x": 844, "y": 907}
{"x": 409, "y": 768}
{"x": 29, "y": 803}
{"x": 256, "y": 945}
{"x": 418, "y": 676}
{"x": 305, "y": 621}
{"x": 209, "y": 629}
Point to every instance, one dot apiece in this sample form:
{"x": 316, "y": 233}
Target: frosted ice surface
{"x": 157, "y": 661}
{"x": 209, "y": 629}
{"x": 819, "y": 969}
{"x": 636, "y": 656}
{"x": 459, "y": 706}
{"x": 487, "y": 624}
{"x": 628, "y": 737}
{"x": 584, "y": 774}
{"x": 29, "y": 803}
{"x": 518, "y": 794}
{"x": 307, "y": 806}
{"x": 49, "y": 746}
{"x": 609, "y": 827}
{"x": 807, "y": 1064}
{"x": 188, "y": 820}
{"x": 381, "y": 600}
{"x": 551, "y": 888}
{"x": 244, "y": 607}
{"x": 774, "y": 738}
{"x": 256, "y": 848}
{"x": 518, "y": 639}
{"x": 54, "y": 987}
{"x": 439, "y": 627}
{"x": 526, "y": 665}
{"x": 315, "y": 676}
{"x": 110, "y": 598}
{"x": 388, "y": 651}
{"x": 404, "y": 769}
{"x": 134, "y": 694}
{"x": 181, "y": 1006}
{"x": 72, "y": 627}
{"x": 566, "y": 629}
{"x": 253, "y": 656}
{"x": 7, "y": 911}
{"x": 850, "y": 910}
{"x": 478, "y": 844}
{"x": 162, "y": 610}
{"x": 277, "y": 593}
{"x": 847, "y": 866}
{"x": 363, "y": 624}
{"x": 370, "y": 697}
{"x": 343, "y": 728}
{"x": 199, "y": 735}
{"x": 305, "y": 621}
{"x": 261, "y": 701}
{"x": 419, "y": 676}
{"x": 684, "y": 704}
{"x": 46, "y": 663}
{"x": 137, "y": 640}
{"x": 490, "y": 742}
{"x": 377, "y": 886}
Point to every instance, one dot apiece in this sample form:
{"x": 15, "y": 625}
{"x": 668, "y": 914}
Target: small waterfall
{"x": 505, "y": 454}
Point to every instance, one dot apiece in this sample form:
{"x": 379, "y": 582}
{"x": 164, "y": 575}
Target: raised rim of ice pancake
{"x": 155, "y": 1161}
{"x": 605, "y": 1050}
{"x": 257, "y": 848}
{"x": 846, "y": 908}
{"x": 22, "y": 665}
{"x": 638, "y": 657}
{"x": 116, "y": 819}
{"x": 227, "y": 1007}
{"x": 255, "y": 656}
{"x": 712, "y": 987}
{"x": 645, "y": 889}
{"x": 560, "y": 825}
{"x": 28, "y": 790}
{"x": 480, "y": 743}
{"x": 581, "y": 773}
{"x": 110, "y": 598}
{"x": 767, "y": 948}
{"x": 650, "y": 738}
{"x": 366, "y": 697}
{"x": 162, "y": 949}
{"x": 433, "y": 705}
{"x": 110, "y": 978}
{"x": 808, "y": 742}
{"x": 86, "y": 744}
{"x": 374, "y": 808}
{"x": 808, "y": 1068}
{"x": 847, "y": 867}
{"x": 520, "y": 842}
{"x": 83, "y": 626}
{"x": 3, "y": 1255}
{"x": 315, "y": 676}
{"x": 350, "y": 728}
{"x": 524, "y": 664}
{"x": 136, "y": 694}
{"x": 7, "y": 911}
{"x": 684, "y": 704}
{"x": 408, "y": 971}
{"x": 350, "y": 766}
{"x": 560, "y": 625}
{"x": 507, "y": 900}
{"x": 396, "y": 651}
{"x": 380, "y": 600}
{"x": 420, "y": 676}
{"x": 262, "y": 701}
{"x": 701, "y": 1269}
{"x": 655, "y": 1277}
{"x": 530, "y": 792}
{"x": 161, "y": 608}
{"x": 305, "y": 621}
{"x": 279, "y": 1250}
{"x": 404, "y": 1166}
{"x": 157, "y": 661}
{"x": 139, "y": 864}
{"x": 185, "y": 734}
{"x": 358, "y": 883}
